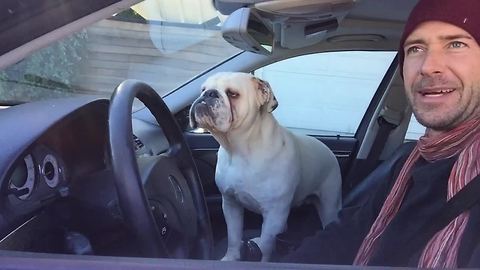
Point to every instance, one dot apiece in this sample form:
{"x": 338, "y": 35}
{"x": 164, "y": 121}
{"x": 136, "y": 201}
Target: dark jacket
{"x": 340, "y": 241}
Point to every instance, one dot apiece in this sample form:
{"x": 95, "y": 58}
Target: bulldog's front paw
{"x": 231, "y": 257}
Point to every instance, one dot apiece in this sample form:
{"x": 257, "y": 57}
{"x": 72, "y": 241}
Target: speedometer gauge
{"x": 50, "y": 171}
{"x": 22, "y": 178}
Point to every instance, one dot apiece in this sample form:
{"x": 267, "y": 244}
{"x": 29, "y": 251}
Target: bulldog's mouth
{"x": 201, "y": 115}
{"x": 201, "y": 109}
{"x": 196, "y": 111}
{"x": 211, "y": 114}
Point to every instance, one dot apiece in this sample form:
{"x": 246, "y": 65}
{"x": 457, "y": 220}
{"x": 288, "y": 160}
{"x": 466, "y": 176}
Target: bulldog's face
{"x": 231, "y": 100}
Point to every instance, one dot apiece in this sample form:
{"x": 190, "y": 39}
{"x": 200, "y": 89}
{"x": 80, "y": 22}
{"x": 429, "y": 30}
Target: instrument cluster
{"x": 39, "y": 169}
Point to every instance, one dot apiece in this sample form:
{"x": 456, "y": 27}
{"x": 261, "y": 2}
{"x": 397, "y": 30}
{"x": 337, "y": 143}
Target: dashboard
{"x": 72, "y": 148}
{"x": 50, "y": 147}
{"x": 56, "y": 179}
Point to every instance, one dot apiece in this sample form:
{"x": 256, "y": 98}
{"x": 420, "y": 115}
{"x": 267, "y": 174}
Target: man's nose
{"x": 433, "y": 63}
{"x": 211, "y": 93}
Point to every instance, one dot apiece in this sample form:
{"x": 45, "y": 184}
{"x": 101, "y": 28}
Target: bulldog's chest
{"x": 234, "y": 179}
{"x": 254, "y": 189}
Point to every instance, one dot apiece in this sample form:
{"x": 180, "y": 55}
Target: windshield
{"x": 161, "y": 42}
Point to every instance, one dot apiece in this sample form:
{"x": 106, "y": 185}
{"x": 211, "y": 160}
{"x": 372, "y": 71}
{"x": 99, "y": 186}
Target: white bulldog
{"x": 262, "y": 166}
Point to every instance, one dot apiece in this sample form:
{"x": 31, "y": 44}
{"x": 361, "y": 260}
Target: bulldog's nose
{"x": 211, "y": 93}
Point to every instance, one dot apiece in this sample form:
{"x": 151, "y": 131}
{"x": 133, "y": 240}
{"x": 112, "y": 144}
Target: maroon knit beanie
{"x": 461, "y": 13}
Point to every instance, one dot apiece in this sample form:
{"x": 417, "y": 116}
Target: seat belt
{"x": 388, "y": 120}
{"x": 459, "y": 203}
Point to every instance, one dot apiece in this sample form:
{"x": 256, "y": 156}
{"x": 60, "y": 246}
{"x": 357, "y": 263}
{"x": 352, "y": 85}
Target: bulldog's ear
{"x": 268, "y": 102}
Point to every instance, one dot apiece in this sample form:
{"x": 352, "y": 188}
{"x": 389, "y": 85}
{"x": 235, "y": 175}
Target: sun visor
{"x": 296, "y": 35}
{"x": 246, "y": 30}
{"x": 260, "y": 26}
{"x": 227, "y": 7}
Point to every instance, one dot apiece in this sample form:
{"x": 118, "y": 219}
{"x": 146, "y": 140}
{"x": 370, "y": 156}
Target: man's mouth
{"x": 436, "y": 92}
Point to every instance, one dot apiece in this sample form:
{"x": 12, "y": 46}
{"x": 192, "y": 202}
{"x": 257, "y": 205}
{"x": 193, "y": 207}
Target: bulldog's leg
{"x": 274, "y": 222}
{"x": 329, "y": 199}
{"x": 233, "y": 213}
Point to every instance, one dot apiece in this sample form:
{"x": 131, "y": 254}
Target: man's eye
{"x": 457, "y": 44}
{"x": 412, "y": 49}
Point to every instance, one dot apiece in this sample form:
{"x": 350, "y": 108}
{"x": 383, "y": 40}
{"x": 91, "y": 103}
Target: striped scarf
{"x": 442, "y": 249}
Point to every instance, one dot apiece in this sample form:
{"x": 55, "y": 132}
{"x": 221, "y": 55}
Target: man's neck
{"x": 431, "y": 133}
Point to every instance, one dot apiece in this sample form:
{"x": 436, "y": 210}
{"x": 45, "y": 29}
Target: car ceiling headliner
{"x": 21, "y": 21}
{"x": 394, "y": 10}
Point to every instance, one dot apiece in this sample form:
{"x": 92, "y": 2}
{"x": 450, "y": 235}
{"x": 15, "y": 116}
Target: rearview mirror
{"x": 244, "y": 29}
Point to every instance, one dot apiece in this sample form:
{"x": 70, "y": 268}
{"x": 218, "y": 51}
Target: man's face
{"x": 442, "y": 75}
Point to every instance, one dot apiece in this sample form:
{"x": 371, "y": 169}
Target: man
{"x": 440, "y": 62}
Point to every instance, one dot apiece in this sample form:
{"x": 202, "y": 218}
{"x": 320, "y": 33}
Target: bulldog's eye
{"x": 232, "y": 94}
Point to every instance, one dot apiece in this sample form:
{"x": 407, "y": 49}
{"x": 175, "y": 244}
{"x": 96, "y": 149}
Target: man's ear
{"x": 268, "y": 102}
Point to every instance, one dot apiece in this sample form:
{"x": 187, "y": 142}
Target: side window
{"x": 415, "y": 130}
{"x": 326, "y": 93}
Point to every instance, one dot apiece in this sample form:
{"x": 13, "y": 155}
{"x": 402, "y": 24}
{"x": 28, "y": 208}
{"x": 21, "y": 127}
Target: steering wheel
{"x": 161, "y": 197}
